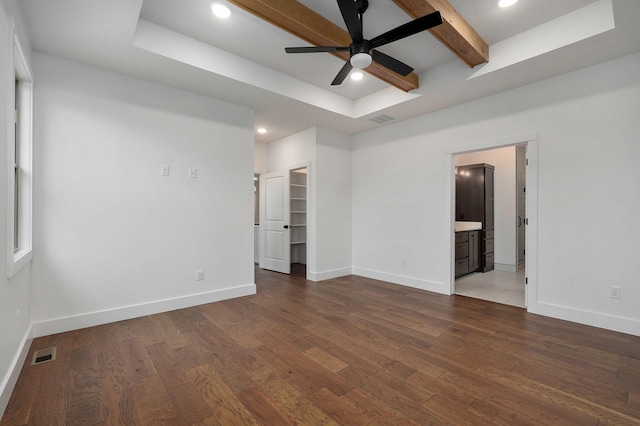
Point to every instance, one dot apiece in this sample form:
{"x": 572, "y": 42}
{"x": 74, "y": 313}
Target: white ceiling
{"x": 242, "y": 59}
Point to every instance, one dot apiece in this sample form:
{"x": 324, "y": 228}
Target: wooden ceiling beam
{"x": 455, "y": 32}
{"x": 299, "y": 20}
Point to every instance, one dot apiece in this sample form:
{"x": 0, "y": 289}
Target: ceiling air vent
{"x": 44, "y": 355}
{"x": 381, "y": 119}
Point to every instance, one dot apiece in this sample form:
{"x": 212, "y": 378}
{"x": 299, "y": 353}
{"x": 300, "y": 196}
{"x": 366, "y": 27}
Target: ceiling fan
{"x": 362, "y": 51}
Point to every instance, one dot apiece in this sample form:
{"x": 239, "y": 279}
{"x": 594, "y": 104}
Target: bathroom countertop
{"x": 467, "y": 226}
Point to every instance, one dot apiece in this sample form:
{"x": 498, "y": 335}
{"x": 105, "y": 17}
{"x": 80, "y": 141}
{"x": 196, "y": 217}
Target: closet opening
{"x": 298, "y": 221}
{"x": 282, "y": 231}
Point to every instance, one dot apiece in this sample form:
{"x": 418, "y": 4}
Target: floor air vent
{"x": 381, "y": 119}
{"x": 44, "y": 355}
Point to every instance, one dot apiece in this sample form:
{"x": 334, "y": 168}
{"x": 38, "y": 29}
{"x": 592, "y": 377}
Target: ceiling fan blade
{"x": 315, "y": 49}
{"x": 344, "y": 72}
{"x": 391, "y": 63}
{"x": 417, "y": 25}
{"x": 351, "y": 19}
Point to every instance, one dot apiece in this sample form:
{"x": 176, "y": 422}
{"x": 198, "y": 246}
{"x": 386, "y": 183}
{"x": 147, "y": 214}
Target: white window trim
{"x": 19, "y": 69}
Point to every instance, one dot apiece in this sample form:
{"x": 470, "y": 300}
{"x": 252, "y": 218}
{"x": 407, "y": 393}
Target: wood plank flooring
{"x": 348, "y": 351}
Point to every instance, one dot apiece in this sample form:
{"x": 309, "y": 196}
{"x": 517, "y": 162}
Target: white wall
{"x": 333, "y": 204}
{"x": 114, "y": 238}
{"x": 329, "y": 196}
{"x": 587, "y": 125}
{"x": 291, "y": 151}
{"x": 14, "y": 293}
{"x": 260, "y": 160}
{"x": 504, "y": 161}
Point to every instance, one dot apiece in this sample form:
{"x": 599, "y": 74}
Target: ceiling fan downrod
{"x": 362, "y": 6}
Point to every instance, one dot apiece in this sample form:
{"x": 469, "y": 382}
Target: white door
{"x": 275, "y": 253}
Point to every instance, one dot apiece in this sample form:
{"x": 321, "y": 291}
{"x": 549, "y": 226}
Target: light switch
{"x": 164, "y": 170}
{"x": 192, "y": 173}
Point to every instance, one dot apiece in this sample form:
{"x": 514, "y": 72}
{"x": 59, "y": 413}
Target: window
{"x": 16, "y": 172}
{"x": 19, "y": 212}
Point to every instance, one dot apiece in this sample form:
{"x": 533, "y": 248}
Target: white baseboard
{"x": 10, "y": 380}
{"x": 402, "y": 280}
{"x": 327, "y": 275}
{"x": 595, "y": 319}
{"x": 505, "y": 267}
{"x": 90, "y": 319}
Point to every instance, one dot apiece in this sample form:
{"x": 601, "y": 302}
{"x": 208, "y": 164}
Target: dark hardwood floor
{"x": 350, "y": 351}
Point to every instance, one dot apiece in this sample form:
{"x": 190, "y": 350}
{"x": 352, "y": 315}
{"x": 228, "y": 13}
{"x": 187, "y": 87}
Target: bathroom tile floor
{"x": 495, "y": 286}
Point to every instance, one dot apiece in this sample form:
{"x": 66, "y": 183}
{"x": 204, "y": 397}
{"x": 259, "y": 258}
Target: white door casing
{"x": 521, "y": 203}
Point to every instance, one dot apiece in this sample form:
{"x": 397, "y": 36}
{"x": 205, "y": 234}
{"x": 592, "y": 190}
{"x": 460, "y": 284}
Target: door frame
{"x": 531, "y": 266}
{"x": 311, "y": 240}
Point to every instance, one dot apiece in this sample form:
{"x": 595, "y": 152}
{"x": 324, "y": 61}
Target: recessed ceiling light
{"x": 220, "y": 10}
{"x": 356, "y": 76}
{"x": 261, "y": 130}
{"x": 507, "y": 3}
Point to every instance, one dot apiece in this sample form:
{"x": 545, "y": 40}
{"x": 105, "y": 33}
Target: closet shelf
{"x": 298, "y": 242}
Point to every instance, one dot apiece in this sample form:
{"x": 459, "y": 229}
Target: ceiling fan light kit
{"x": 362, "y": 52}
{"x": 361, "y": 60}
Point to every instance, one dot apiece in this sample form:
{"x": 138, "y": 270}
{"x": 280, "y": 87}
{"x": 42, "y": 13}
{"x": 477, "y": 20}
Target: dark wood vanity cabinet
{"x": 467, "y": 252}
{"x": 474, "y": 202}
{"x": 487, "y": 251}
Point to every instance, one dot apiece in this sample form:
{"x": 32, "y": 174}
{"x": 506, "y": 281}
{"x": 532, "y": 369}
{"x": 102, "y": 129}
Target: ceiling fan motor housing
{"x": 360, "y": 54}
{"x": 363, "y": 47}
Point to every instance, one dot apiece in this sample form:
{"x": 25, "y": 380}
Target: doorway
{"x": 298, "y": 221}
{"x": 521, "y": 200}
{"x": 507, "y": 283}
{"x": 282, "y": 235}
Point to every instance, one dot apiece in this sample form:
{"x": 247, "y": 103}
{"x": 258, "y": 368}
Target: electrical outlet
{"x": 18, "y": 320}
{"x": 615, "y": 292}
{"x": 192, "y": 173}
{"x": 199, "y": 275}
{"x": 164, "y": 170}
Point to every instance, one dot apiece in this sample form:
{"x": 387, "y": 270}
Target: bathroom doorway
{"x": 506, "y": 283}
{"x": 521, "y": 200}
